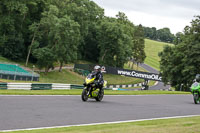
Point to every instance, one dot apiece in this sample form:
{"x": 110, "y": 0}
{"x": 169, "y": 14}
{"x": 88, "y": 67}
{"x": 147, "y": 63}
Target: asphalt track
{"x": 160, "y": 85}
{"x": 21, "y": 112}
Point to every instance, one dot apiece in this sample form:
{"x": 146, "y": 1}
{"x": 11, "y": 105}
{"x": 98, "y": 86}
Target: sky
{"x": 174, "y": 14}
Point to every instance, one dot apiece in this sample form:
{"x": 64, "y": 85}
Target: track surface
{"x": 20, "y": 112}
{"x": 160, "y": 85}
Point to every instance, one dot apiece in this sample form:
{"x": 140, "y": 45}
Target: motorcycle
{"x": 90, "y": 90}
{"x": 195, "y": 90}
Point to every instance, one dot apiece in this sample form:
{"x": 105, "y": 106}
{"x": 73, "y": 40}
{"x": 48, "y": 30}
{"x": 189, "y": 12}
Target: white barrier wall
{"x": 28, "y": 86}
{"x": 19, "y": 86}
{"x": 56, "y": 86}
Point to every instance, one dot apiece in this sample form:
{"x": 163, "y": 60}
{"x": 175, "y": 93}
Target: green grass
{"x": 79, "y": 91}
{"x": 121, "y": 80}
{"x": 66, "y": 76}
{"x": 132, "y": 66}
{"x": 152, "y": 48}
{"x": 178, "y": 125}
{"x": 2, "y": 59}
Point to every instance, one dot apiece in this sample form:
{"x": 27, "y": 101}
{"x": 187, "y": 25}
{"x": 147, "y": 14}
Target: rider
{"x": 99, "y": 77}
{"x": 197, "y": 78}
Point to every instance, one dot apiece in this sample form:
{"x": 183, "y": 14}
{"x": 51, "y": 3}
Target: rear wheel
{"x": 196, "y": 98}
{"x": 100, "y": 96}
{"x": 84, "y": 95}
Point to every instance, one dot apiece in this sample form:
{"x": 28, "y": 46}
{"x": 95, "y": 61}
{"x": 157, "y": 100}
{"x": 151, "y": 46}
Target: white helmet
{"x": 197, "y": 77}
{"x": 97, "y": 67}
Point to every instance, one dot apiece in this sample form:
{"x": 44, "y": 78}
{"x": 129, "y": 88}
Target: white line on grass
{"x": 38, "y": 95}
{"x": 80, "y": 95}
{"x": 93, "y": 124}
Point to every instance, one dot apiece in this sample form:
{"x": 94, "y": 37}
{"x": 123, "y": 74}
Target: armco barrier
{"x": 76, "y": 86}
{"x": 35, "y": 86}
{"x": 124, "y": 86}
{"x": 56, "y": 86}
{"x": 3, "y": 86}
{"x": 19, "y": 86}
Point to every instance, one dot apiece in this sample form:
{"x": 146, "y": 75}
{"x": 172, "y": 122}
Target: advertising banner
{"x": 125, "y": 72}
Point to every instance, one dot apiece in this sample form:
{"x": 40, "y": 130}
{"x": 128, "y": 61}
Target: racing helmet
{"x": 197, "y": 77}
{"x": 97, "y": 68}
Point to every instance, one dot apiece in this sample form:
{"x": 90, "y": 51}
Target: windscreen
{"x": 195, "y": 84}
{"x": 91, "y": 76}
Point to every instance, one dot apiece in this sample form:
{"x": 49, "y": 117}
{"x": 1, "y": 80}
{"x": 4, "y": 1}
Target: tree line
{"x": 180, "y": 63}
{"x": 163, "y": 34}
{"x": 49, "y": 31}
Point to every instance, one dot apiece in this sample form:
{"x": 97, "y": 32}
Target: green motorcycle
{"x": 195, "y": 89}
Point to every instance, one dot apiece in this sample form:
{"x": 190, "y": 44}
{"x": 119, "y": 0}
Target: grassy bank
{"x": 178, "y": 125}
{"x": 78, "y": 92}
{"x": 66, "y": 76}
{"x": 152, "y": 48}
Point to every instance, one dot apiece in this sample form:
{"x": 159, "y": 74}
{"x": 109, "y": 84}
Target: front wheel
{"x": 196, "y": 98}
{"x": 84, "y": 95}
{"x": 100, "y": 96}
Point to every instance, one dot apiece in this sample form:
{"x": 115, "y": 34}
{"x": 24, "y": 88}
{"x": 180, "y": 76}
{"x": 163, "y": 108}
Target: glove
{"x": 96, "y": 84}
{"x": 101, "y": 84}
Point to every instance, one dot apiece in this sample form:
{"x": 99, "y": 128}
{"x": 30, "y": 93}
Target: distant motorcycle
{"x": 90, "y": 90}
{"x": 195, "y": 90}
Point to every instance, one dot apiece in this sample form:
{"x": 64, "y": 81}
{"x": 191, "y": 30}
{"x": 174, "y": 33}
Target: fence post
{"x": 15, "y": 72}
{"x": 32, "y": 72}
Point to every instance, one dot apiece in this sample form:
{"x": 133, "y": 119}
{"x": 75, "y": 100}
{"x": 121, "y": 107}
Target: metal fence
{"x": 16, "y": 72}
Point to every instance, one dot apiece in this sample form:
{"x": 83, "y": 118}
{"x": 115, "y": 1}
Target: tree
{"x": 178, "y": 37}
{"x": 163, "y": 34}
{"x": 11, "y": 36}
{"x": 67, "y": 35}
{"x": 136, "y": 33}
{"x": 17, "y": 16}
{"x": 91, "y": 49}
{"x": 86, "y": 13}
{"x": 179, "y": 64}
{"x": 57, "y": 32}
{"x": 138, "y": 49}
{"x": 46, "y": 58}
{"x": 34, "y": 28}
{"x": 114, "y": 43}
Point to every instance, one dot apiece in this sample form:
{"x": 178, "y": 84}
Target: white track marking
{"x": 92, "y": 124}
{"x": 80, "y": 95}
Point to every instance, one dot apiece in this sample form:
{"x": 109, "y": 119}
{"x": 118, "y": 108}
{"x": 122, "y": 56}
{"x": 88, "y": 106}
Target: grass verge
{"x": 178, "y": 125}
{"x": 121, "y": 80}
{"x": 79, "y": 91}
{"x": 66, "y": 76}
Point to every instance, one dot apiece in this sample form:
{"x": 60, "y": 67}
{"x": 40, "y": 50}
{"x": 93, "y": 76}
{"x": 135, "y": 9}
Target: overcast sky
{"x": 174, "y": 14}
